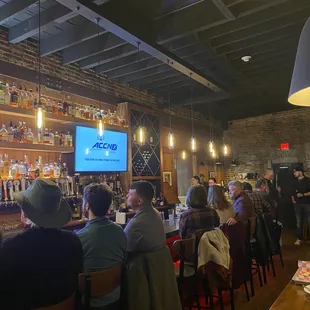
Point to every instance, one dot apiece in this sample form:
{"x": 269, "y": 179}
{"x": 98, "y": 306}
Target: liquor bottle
{"x": 40, "y": 165}
{"x": 29, "y": 136}
{"x": 14, "y": 96}
{"x": 26, "y": 163}
{"x": 1, "y": 93}
{"x": 25, "y": 99}
{"x": 57, "y": 139}
{"x": 60, "y": 108}
{"x": 11, "y": 132}
{"x": 35, "y": 100}
{"x": 65, "y": 140}
{"x": 20, "y": 97}
{"x": 21, "y": 170}
{"x": 118, "y": 185}
{"x": 111, "y": 182}
{"x": 70, "y": 107}
{"x": 46, "y": 137}
{"x": 7, "y": 95}
{"x": 51, "y": 167}
{"x": 64, "y": 170}
{"x": 6, "y": 166}
{"x": 49, "y": 106}
{"x": 4, "y": 134}
{"x": 51, "y": 137}
{"x": 32, "y": 172}
{"x": 31, "y": 98}
{"x": 55, "y": 107}
{"x": 65, "y": 107}
{"x": 13, "y": 169}
{"x": 56, "y": 171}
{"x": 69, "y": 140}
{"x": 1, "y": 168}
{"x": 46, "y": 171}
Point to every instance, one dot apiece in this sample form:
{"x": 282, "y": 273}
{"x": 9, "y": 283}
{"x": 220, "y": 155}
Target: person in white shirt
{"x": 217, "y": 200}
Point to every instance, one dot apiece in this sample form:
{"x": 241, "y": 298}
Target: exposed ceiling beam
{"x": 260, "y": 40}
{"x": 90, "y": 11}
{"x": 70, "y": 37}
{"x": 30, "y": 27}
{"x": 218, "y": 28}
{"x": 128, "y": 49}
{"x": 258, "y": 18}
{"x": 11, "y": 9}
{"x": 273, "y": 63}
{"x": 123, "y": 62}
{"x": 230, "y": 3}
{"x": 165, "y": 82}
{"x": 177, "y": 7}
{"x": 83, "y": 50}
{"x": 164, "y": 90}
{"x": 269, "y": 69}
{"x": 224, "y": 9}
{"x": 151, "y": 71}
{"x": 258, "y": 30}
{"x": 108, "y": 56}
{"x": 133, "y": 70}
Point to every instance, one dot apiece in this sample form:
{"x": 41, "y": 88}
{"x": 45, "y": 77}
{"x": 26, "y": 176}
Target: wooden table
{"x": 292, "y": 297}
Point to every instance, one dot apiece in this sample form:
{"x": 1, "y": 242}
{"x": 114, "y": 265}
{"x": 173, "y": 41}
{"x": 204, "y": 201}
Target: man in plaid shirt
{"x": 259, "y": 196}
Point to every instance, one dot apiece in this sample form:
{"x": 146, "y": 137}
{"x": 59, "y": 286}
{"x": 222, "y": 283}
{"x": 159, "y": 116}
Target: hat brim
{"x": 55, "y": 220}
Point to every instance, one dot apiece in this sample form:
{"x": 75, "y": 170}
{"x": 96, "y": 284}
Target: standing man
{"x": 203, "y": 181}
{"x": 195, "y": 180}
{"x": 273, "y": 192}
{"x": 301, "y": 200}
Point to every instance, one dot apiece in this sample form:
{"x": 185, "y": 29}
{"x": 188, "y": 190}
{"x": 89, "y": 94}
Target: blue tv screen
{"x": 100, "y": 154}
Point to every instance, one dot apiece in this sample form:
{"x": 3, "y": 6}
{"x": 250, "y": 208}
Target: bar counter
{"x": 171, "y": 228}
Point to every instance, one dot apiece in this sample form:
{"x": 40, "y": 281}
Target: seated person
{"x": 242, "y": 204}
{"x": 145, "y": 231}
{"x": 103, "y": 241}
{"x": 199, "y": 217}
{"x": 40, "y": 266}
{"x": 217, "y": 201}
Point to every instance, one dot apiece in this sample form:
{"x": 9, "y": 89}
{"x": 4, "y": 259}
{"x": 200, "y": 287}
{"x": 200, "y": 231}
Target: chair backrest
{"x": 100, "y": 283}
{"x": 68, "y": 304}
{"x": 185, "y": 249}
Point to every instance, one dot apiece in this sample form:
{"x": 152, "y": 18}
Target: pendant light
{"x": 141, "y": 131}
{"x": 211, "y": 143}
{"x": 225, "y": 150}
{"x": 183, "y": 155}
{"x": 300, "y": 85}
{"x": 170, "y": 134}
{"x": 100, "y": 123}
{"x": 193, "y": 139}
{"x": 40, "y": 112}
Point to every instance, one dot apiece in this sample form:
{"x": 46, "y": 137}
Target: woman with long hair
{"x": 217, "y": 201}
{"x": 199, "y": 217}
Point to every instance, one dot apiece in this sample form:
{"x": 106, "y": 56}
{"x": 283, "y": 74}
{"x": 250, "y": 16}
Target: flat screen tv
{"x": 100, "y": 154}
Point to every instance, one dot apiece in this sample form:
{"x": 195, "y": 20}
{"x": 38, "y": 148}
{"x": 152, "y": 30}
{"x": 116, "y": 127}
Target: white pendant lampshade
{"x": 300, "y": 84}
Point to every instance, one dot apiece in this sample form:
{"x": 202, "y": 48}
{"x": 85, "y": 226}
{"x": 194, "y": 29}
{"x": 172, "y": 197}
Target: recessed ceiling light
{"x": 246, "y": 58}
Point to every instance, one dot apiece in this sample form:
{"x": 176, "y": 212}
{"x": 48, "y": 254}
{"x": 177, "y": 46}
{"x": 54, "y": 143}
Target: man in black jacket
{"x": 301, "y": 200}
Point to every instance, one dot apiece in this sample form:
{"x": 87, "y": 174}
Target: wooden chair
{"x": 68, "y": 304}
{"x": 99, "y": 284}
{"x": 186, "y": 267}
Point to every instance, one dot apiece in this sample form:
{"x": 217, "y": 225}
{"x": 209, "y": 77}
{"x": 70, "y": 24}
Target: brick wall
{"x": 255, "y": 141}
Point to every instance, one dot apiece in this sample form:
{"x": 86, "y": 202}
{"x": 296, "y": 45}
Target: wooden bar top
{"x": 292, "y": 297}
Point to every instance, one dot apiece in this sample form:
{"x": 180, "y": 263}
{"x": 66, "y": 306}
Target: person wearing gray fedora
{"x": 40, "y": 266}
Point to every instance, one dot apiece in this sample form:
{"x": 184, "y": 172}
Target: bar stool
{"x": 67, "y": 304}
{"x": 186, "y": 267}
{"x": 99, "y": 284}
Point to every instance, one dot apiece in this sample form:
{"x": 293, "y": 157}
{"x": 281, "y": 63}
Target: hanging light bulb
{"x": 171, "y": 140}
{"x": 193, "y": 144}
{"x": 211, "y": 146}
{"x": 141, "y": 135}
{"x": 100, "y": 128}
{"x": 183, "y": 155}
{"x": 213, "y": 153}
{"x": 40, "y": 118}
{"x": 225, "y": 150}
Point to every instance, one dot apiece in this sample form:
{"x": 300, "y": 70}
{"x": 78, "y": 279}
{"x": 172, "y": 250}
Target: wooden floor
{"x": 265, "y": 296}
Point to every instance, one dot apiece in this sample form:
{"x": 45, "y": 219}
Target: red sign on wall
{"x": 284, "y": 146}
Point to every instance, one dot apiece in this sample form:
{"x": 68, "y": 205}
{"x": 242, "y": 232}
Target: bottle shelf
{"x": 35, "y": 147}
{"x": 27, "y": 113}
